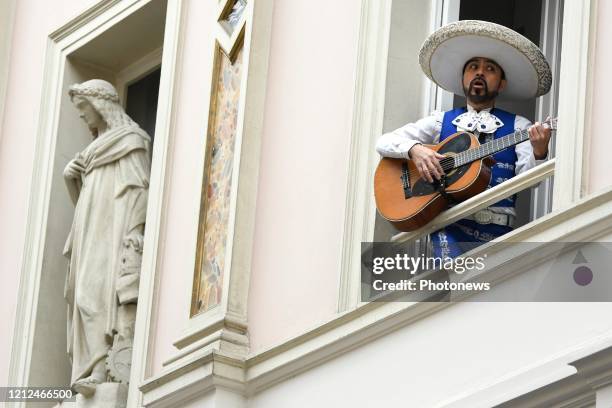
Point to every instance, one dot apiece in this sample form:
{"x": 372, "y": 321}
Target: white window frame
{"x": 574, "y": 106}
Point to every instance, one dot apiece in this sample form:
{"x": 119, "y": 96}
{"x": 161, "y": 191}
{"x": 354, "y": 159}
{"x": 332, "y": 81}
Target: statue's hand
{"x": 73, "y": 170}
{"x": 134, "y": 240}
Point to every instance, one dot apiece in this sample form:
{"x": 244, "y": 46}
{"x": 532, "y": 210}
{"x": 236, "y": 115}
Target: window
{"x": 540, "y": 21}
{"x": 141, "y": 101}
{"x": 391, "y": 33}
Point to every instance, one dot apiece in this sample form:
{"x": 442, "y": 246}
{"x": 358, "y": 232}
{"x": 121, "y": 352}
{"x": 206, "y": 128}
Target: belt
{"x": 490, "y": 217}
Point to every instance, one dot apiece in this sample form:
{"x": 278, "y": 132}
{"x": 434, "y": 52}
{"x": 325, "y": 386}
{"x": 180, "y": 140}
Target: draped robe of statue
{"x": 111, "y": 204}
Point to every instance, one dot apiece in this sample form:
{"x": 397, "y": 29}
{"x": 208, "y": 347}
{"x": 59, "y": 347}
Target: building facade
{"x": 265, "y": 114}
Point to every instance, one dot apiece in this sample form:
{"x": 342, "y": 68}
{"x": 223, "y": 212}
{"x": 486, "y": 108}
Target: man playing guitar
{"x": 484, "y": 62}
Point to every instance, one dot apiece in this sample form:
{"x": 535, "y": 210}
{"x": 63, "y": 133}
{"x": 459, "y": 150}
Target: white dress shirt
{"x": 397, "y": 143}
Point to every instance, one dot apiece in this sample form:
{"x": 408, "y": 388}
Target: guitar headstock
{"x": 550, "y": 123}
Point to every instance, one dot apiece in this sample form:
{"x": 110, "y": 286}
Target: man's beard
{"x": 484, "y": 97}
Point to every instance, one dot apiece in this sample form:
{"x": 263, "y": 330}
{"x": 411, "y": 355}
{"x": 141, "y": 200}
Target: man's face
{"x": 482, "y": 80}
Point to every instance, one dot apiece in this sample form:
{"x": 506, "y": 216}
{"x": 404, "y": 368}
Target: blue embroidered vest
{"x": 503, "y": 169}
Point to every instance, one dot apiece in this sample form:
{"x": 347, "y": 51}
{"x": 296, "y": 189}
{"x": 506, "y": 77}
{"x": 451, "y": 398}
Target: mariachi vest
{"x": 503, "y": 169}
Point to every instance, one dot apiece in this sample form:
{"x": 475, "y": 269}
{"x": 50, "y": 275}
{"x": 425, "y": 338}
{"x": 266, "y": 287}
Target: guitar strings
{"x": 446, "y": 166}
{"x": 448, "y": 162}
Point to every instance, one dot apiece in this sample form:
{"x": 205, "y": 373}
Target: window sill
{"x": 483, "y": 200}
{"x": 585, "y": 220}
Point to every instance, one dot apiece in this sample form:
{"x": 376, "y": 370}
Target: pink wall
{"x": 600, "y": 141}
{"x": 303, "y": 174}
{"x": 34, "y": 21}
{"x": 179, "y": 231}
{"x": 299, "y": 217}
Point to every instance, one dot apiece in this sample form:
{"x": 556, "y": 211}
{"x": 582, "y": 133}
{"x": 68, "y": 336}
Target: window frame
{"x": 574, "y": 107}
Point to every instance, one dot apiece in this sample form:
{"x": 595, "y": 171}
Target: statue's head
{"x": 98, "y": 104}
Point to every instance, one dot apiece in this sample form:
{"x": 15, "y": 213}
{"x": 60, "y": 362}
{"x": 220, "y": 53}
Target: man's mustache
{"x": 484, "y": 96}
{"x": 482, "y": 81}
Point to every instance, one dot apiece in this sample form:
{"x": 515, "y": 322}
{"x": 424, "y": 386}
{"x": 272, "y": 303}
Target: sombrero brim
{"x": 445, "y": 52}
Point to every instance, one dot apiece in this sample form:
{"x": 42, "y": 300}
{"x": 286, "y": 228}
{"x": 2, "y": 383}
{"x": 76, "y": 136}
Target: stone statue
{"x": 108, "y": 182}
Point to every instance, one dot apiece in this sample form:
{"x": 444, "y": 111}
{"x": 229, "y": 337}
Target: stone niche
{"x": 127, "y": 54}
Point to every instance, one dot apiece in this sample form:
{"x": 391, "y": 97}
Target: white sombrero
{"x": 445, "y": 52}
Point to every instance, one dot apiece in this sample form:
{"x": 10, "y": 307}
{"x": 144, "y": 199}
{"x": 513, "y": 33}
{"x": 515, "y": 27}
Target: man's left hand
{"x": 539, "y": 136}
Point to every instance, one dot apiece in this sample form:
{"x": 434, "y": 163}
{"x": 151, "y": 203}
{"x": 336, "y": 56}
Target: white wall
{"x": 460, "y": 349}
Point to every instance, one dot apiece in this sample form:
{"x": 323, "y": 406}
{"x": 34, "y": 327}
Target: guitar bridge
{"x": 406, "y": 181}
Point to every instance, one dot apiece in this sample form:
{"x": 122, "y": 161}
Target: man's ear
{"x": 502, "y": 85}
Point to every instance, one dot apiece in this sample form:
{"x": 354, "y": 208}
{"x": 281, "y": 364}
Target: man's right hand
{"x": 427, "y": 162}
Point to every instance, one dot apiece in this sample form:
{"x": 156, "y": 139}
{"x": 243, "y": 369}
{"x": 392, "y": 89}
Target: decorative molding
{"x": 368, "y": 111}
{"x": 214, "y": 221}
{"x": 200, "y": 326}
{"x": 222, "y": 50}
{"x": 570, "y": 392}
{"x": 430, "y": 89}
{"x": 449, "y": 14}
{"x": 550, "y": 44}
{"x": 230, "y": 41}
{"x": 202, "y": 373}
{"x": 207, "y": 326}
{"x": 223, "y": 340}
{"x": 157, "y": 200}
{"x": 245, "y": 174}
{"x": 483, "y": 200}
{"x": 586, "y": 220}
{"x": 543, "y": 383}
{"x": 593, "y": 371}
{"x": 575, "y": 86}
{"x": 215, "y": 342}
{"x": 596, "y": 370}
{"x": 83, "y": 19}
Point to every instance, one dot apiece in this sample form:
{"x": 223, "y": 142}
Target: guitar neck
{"x": 492, "y": 147}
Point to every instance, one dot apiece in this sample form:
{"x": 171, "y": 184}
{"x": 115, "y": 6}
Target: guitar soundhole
{"x": 456, "y": 145}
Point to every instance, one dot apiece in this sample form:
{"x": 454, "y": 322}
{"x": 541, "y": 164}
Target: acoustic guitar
{"x": 409, "y": 201}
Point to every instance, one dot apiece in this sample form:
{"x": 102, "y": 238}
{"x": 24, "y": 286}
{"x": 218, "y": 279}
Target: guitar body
{"x": 411, "y": 208}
